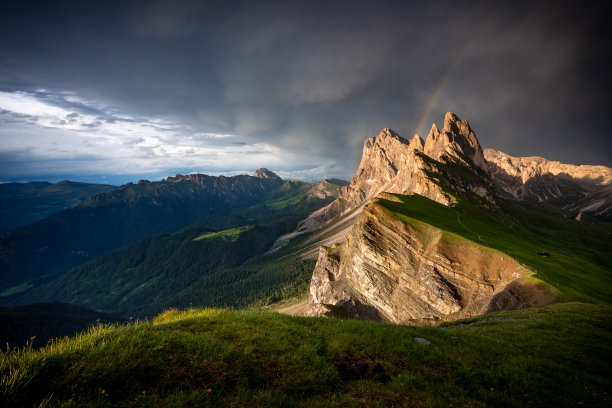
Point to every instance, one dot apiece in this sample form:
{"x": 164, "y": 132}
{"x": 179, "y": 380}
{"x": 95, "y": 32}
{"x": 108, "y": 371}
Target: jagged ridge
{"x": 581, "y": 189}
{"x": 393, "y": 164}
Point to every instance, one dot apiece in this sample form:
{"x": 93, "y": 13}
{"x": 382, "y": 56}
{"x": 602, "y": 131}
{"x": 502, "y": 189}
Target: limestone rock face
{"x": 393, "y": 164}
{"x": 577, "y": 188}
{"x": 392, "y": 271}
{"x": 388, "y": 163}
{"x": 384, "y": 158}
{"x": 457, "y": 140}
{"x": 386, "y": 270}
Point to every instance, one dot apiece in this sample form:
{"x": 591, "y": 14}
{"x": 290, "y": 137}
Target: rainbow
{"x": 434, "y": 97}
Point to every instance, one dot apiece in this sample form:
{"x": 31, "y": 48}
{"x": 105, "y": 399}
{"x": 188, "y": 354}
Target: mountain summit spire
{"x": 456, "y": 139}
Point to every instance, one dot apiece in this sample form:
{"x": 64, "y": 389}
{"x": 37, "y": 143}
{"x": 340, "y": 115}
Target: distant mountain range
{"x": 579, "y": 189}
{"x": 46, "y": 250}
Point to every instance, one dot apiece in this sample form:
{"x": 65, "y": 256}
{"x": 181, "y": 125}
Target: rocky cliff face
{"x": 393, "y": 164}
{"x": 456, "y": 140}
{"x": 390, "y": 271}
{"x": 576, "y": 188}
{"x": 387, "y": 269}
{"x": 384, "y": 158}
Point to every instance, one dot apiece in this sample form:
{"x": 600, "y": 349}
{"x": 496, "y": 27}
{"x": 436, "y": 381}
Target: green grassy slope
{"x": 24, "y": 203}
{"x": 579, "y": 266}
{"x": 230, "y": 234}
{"x": 555, "y": 356}
{"x": 291, "y": 193}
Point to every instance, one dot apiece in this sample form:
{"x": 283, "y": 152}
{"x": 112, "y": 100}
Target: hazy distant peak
{"x": 265, "y": 174}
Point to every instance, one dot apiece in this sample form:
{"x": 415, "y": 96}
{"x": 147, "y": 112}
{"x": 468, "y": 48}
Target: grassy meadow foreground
{"x": 553, "y": 356}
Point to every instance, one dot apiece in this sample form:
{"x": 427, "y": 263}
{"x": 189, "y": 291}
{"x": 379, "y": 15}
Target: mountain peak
{"x": 450, "y": 119}
{"x": 417, "y": 143}
{"x": 434, "y": 131}
{"x": 388, "y": 133}
{"x": 265, "y": 174}
{"x": 456, "y": 139}
{"x": 380, "y": 160}
{"x": 390, "y": 163}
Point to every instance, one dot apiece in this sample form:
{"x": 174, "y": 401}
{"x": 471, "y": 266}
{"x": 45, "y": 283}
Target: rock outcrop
{"x": 393, "y": 164}
{"x": 384, "y": 158}
{"x": 456, "y": 140}
{"x": 388, "y": 270}
{"x": 575, "y": 188}
{"x": 323, "y": 189}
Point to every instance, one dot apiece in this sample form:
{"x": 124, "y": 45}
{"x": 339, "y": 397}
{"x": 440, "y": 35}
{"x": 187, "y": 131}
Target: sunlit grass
{"x": 230, "y": 235}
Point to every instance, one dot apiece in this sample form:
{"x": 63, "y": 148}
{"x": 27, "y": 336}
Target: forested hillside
{"x": 39, "y": 253}
{"x": 199, "y": 266}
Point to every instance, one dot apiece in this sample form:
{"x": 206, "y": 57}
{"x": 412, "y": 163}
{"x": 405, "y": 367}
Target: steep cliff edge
{"x": 409, "y": 272}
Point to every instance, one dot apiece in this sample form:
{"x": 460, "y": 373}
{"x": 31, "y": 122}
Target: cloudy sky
{"x": 120, "y": 90}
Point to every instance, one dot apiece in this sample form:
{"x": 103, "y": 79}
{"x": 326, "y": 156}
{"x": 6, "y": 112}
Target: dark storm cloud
{"x": 317, "y": 78}
{"x": 167, "y": 20}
